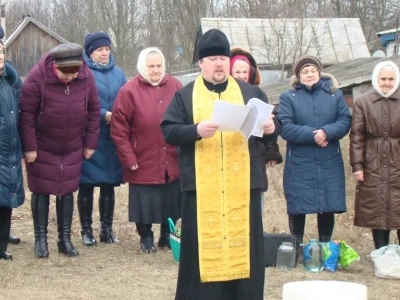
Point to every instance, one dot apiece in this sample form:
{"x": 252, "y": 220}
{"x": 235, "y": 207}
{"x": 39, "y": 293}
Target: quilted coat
{"x": 58, "y": 121}
{"x": 104, "y": 166}
{"x": 313, "y": 179}
{"x": 11, "y": 182}
{"x": 135, "y": 129}
{"x": 375, "y": 149}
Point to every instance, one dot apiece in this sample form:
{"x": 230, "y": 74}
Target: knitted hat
{"x": 96, "y": 40}
{"x": 306, "y": 61}
{"x": 213, "y": 42}
{"x": 67, "y": 55}
{"x": 240, "y": 57}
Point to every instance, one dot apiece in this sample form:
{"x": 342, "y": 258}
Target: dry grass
{"x": 121, "y": 272}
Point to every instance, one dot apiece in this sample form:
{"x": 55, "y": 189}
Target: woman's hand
{"x": 87, "y": 153}
{"x": 30, "y": 156}
{"x": 359, "y": 175}
{"x": 107, "y": 117}
{"x": 320, "y": 138}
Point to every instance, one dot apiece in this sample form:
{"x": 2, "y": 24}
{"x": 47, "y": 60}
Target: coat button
{"x": 160, "y": 101}
{"x": 384, "y": 181}
{"x": 12, "y": 111}
{"x": 164, "y": 148}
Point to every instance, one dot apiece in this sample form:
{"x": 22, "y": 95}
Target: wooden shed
{"x": 28, "y": 42}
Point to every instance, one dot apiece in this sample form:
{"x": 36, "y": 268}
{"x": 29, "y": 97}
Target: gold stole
{"x": 223, "y": 192}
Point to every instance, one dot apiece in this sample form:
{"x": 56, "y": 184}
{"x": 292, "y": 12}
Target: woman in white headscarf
{"x": 150, "y": 165}
{"x": 375, "y": 154}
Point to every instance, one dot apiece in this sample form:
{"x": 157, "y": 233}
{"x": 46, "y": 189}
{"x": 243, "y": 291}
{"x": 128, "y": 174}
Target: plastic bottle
{"x": 285, "y": 257}
{"x": 313, "y": 256}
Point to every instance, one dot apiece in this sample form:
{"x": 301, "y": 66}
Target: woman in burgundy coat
{"x": 59, "y": 121}
{"x": 150, "y": 165}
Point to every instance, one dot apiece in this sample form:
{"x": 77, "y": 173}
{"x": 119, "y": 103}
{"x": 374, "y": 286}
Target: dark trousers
{"x": 326, "y": 222}
{"x": 5, "y": 227}
{"x": 189, "y": 286}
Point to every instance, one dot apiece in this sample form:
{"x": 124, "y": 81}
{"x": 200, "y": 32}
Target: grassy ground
{"x": 122, "y": 272}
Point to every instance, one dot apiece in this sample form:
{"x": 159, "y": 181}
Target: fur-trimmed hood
{"x": 328, "y": 81}
{"x": 255, "y": 72}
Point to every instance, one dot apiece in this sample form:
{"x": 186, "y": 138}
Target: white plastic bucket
{"x": 326, "y": 290}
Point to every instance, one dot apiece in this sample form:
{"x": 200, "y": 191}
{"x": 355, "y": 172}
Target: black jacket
{"x": 179, "y": 130}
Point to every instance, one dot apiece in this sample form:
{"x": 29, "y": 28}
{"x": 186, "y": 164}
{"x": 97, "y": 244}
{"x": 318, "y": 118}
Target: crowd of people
{"x": 76, "y": 123}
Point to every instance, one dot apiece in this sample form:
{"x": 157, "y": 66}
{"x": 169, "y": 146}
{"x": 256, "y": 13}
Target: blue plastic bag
{"x": 331, "y": 252}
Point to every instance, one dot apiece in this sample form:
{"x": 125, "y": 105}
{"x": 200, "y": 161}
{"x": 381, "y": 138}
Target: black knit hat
{"x": 306, "y": 61}
{"x": 96, "y": 40}
{"x": 67, "y": 55}
{"x": 213, "y": 42}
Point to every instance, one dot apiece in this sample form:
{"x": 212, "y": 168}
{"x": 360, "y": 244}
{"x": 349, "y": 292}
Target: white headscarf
{"x": 142, "y": 67}
{"x": 375, "y": 77}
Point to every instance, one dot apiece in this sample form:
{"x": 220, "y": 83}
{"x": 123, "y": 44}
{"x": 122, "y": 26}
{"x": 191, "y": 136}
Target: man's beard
{"x": 219, "y": 79}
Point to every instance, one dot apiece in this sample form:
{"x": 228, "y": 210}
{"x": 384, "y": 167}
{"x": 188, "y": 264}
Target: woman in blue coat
{"x": 11, "y": 183}
{"x": 314, "y": 118}
{"x": 103, "y": 169}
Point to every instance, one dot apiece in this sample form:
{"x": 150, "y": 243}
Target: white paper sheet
{"x": 248, "y": 119}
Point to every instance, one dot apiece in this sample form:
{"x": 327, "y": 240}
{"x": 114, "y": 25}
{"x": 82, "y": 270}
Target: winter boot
{"x": 65, "y": 209}
{"x": 40, "y": 215}
{"x": 163, "y": 241}
{"x": 85, "y": 208}
{"x": 146, "y": 238}
{"x": 106, "y": 208}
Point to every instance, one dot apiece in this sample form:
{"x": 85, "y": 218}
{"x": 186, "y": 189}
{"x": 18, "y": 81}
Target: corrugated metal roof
{"x": 277, "y": 41}
{"x": 351, "y": 73}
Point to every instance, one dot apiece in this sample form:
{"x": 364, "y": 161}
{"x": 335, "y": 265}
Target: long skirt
{"x": 189, "y": 286}
{"x": 154, "y": 203}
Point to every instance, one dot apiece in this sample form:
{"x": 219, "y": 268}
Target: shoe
{"x": 14, "y": 240}
{"x": 147, "y": 244}
{"x": 5, "y": 255}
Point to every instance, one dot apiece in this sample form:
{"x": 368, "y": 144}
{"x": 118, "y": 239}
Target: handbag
{"x": 272, "y": 243}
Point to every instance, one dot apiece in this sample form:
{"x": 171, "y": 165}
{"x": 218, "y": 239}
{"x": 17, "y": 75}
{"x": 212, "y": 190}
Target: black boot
{"x": 85, "y": 208}
{"x": 163, "y": 241}
{"x": 14, "y": 240}
{"x": 380, "y": 237}
{"x": 65, "y": 209}
{"x": 146, "y": 238}
{"x": 106, "y": 208}
{"x": 4, "y": 255}
{"x": 40, "y": 215}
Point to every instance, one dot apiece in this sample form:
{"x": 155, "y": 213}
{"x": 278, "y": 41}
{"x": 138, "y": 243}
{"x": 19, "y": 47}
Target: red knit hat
{"x": 240, "y": 57}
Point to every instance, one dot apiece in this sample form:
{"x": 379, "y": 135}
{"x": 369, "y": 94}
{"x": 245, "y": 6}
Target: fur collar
{"x": 329, "y": 82}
